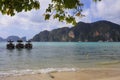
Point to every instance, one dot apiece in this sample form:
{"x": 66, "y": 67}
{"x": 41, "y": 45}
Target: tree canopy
{"x": 58, "y": 9}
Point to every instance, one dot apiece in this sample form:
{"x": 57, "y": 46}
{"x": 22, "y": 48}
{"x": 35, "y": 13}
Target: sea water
{"x": 58, "y": 56}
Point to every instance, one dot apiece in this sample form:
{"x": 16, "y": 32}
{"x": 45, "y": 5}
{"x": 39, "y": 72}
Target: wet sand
{"x": 86, "y": 74}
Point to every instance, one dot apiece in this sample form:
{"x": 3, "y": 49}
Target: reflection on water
{"x": 58, "y": 55}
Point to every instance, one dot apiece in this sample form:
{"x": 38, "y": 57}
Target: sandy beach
{"x": 86, "y": 74}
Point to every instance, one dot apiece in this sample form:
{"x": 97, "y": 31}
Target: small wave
{"x": 109, "y": 62}
{"x": 40, "y": 71}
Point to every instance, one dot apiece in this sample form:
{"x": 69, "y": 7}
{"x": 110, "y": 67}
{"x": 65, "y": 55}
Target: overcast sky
{"x": 30, "y": 23}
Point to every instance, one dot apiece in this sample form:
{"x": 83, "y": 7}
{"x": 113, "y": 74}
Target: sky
{"x": 31, "y": 23}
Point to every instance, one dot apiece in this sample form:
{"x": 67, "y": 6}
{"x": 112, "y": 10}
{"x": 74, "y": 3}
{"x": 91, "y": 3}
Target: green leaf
{"x": 56, "y": 16}
{"x": 10, "y": 7}
{"x": 61, "y": 18}
{"x": 47, "y": 16}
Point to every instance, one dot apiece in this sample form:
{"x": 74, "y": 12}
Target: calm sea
{"x": 60, "y": 55}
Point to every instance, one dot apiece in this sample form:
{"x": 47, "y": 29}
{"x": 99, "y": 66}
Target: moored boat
{"x": 10, "y": 45}
{"x": 28, "y": 45}
{"x": 19, "y": 45}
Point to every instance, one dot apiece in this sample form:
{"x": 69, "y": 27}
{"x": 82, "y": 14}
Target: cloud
{"x": 30, "y": 23}
{"x": 104, "y": 10}
{"x": 27, "y": 23}
{"x": 107, "y": 10}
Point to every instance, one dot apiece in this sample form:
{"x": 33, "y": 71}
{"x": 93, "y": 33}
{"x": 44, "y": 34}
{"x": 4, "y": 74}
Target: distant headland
{"x": 84, "y": 32}
{"x": 13, "y": 38}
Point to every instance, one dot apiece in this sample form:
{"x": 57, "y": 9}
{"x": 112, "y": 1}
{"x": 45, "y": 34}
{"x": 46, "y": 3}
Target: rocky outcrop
{"x": 23, "y": 38}
{"x": 92, "y": 32}
{"x": 13, "y": 38}
{"x": 54, "y": 35}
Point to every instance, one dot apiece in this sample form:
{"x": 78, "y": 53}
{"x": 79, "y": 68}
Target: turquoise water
{"x": 60, "y": 55}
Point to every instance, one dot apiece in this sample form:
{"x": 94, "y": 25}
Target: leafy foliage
{"x": 61, "y": 10}
{"x": 10, "y": 7}
{"x": 58, "y": 9}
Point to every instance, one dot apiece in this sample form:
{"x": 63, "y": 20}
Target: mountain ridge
{"x": 91, "y": 32}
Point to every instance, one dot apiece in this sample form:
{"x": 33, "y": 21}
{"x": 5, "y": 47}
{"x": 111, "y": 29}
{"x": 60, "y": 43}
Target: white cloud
{"x": 106, "y": 9}
{"x": 32, "y": 22}
{"x": 27, "y": 23}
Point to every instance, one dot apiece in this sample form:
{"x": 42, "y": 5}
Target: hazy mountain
{"x": 97, "y": 31}
{"x": 24, "y": 38}
{"x": 14, "y": 38}
{"x": 1, "y": 39}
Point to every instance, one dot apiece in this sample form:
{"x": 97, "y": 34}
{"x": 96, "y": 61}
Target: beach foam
{"x": 29, "y": 71}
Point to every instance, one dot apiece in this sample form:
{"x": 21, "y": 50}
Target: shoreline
{"x": 82, "y": 74}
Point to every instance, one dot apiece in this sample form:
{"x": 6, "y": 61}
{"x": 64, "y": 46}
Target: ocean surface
{"x": 61, "y": 56}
